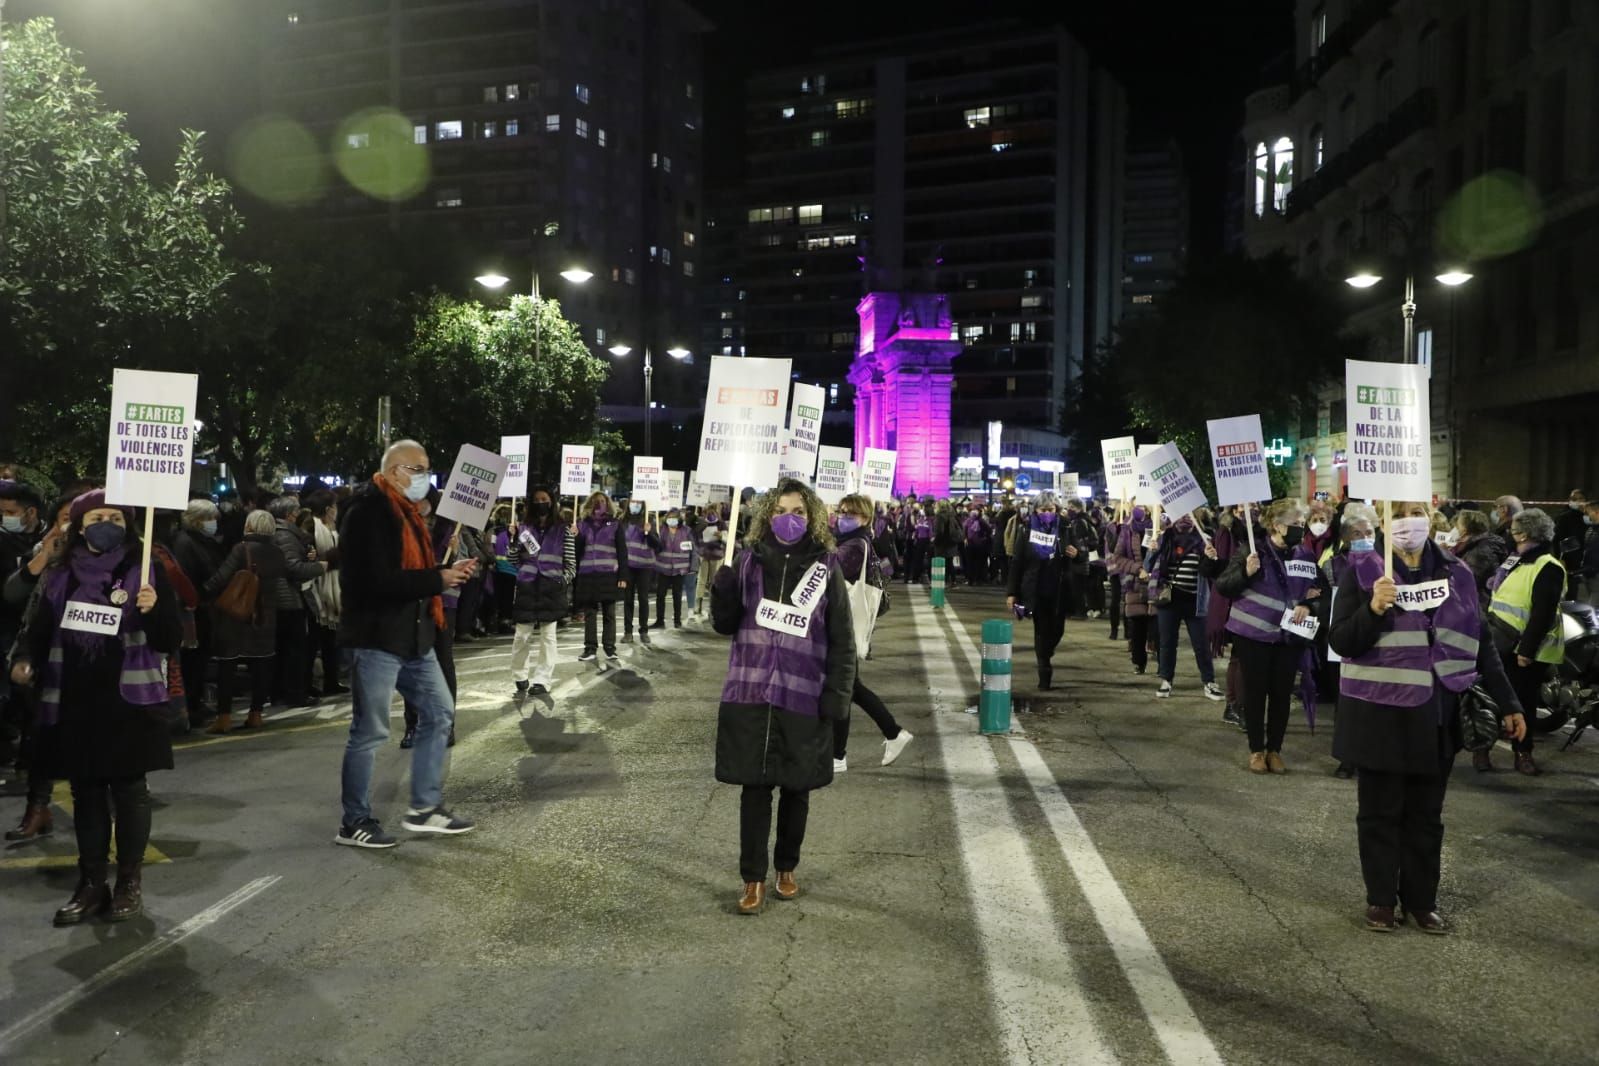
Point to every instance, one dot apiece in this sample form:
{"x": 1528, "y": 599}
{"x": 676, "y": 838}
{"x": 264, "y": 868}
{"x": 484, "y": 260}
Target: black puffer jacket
{"x": 757, "y": 744}
{"x": 291, "y": 542}
{"x": 544, "y": 599}
{"x": 1483, "y": 553}
{"x": 198, "y": 554}
{"x": 385, "y": 606}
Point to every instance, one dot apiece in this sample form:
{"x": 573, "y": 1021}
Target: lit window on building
{"x": 419, "y": 134}
{"x": 488, "y": 129}
{"x": 629, "y": 276}
{"x": 970, "y": 334}
{"x": 1029, "y": 331}
{"x": 1033, "y": 300}
{"x": 1001, "y": 146}
{"x": 1029, "y": 278}
{"x": 810, "y": 214}
{"x": 357, "y": 140}
{"x": 616, "y": 273}
{"x": 654, "y": 253}
{"x": 799, "y": 272}
{"x": 1318, "y": 29}
{"x": 727, "y": 333}
{"x": 1015, "y": 331}
{"x": 448, "y": 198}
{"x": 666, "y": 256}
{"x": 512, "y": 92}
{"x": 842, "y": 240}
{"x": 1262, "y": 177}
{"x": 727, "y": 349}
{"x": 852, "y": 108}
{"x": 294, "y": 18}
{"x": 727, "y": 315}
{"x": 788, "y": 112}
{"x": 832, "y": 393}
{"x": 1318, "y": 143}
{"x": 1143, "y": 298}
{"x": 688, "y": 238}
{"x": 581, "y": 91}
{"x": 666, "y": 163}
{"x": 688, "y": 268}
{"x": 771, "y": 240}
{"x": 552, "y": 123}
{"x": 491, "y": 94}
{"x": 1282, "y": 154}
{"x": 600, "y": 138}
{"x": 812, "y": 244}
{"x": 581, "y": 128}
{"x": 599, "y": 334}
{"x": 818, "y": 138}
{"x": 976, "y": 117}
{"x": 447, "y": 131}
{"x": 512, "y": 127}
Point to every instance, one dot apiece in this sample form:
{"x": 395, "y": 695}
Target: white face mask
{"x": 1318, "y": 528}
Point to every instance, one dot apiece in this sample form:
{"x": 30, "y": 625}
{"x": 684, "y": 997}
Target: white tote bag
{"x": 864, "y": 601}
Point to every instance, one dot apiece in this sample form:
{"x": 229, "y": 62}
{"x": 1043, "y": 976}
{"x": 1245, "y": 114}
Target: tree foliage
{"x": 1239, "y": 336}
{"x": 94, "y": 253}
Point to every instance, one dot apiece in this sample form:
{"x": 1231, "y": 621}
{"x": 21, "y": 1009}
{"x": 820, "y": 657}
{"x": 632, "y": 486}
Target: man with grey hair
{"x": 292, "y": 665}
{"x": 1505, "y": 509}
{"x": 391, "y": 612}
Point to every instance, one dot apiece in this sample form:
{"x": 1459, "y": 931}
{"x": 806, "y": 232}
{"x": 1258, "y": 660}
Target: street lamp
{"x": 676, "y": 352}
{"x": 492, "y": 281}
{"x": 1364, "y": 272}
{"x": 496, "y": 281}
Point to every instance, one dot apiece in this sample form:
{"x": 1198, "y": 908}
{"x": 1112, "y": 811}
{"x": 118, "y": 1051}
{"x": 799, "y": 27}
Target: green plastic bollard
{"x": 938, "y": 581}
{"x": 993, "y": 706}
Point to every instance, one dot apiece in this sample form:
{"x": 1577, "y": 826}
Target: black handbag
{"x": 1480, "y": 726}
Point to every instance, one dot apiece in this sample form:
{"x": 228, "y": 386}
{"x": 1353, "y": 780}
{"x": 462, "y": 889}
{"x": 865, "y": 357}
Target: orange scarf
{"x": 416, "y": 547}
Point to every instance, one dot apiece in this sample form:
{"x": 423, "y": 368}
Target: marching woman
{"x": 1405, "y": 666}
{"x": 1038, "y": 579}
{"x": 1127, "y": 563}
{"x": 1525, "y": 607}
{"x": 674, "y": 562}
{"x": 602, "y": 573}
{"x": 858, "y": 558}
{"x": 546, "y": 557}
{"x": 713, "y": 549}
{"x": 1182, "y": 599}
{"x": 1358, "y": 533}
{"x": 1280, "y": 576}
{"x": 246, "y": 643}
{"x": 642, "y": 544}
{"x": 789, "y": 678}
{"x": 92, "y": 641}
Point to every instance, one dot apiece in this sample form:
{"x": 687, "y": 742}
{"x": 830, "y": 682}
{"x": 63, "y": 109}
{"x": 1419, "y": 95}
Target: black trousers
{"x": 194, "y": 662}
{"x": 1113, "y": 598}
{"x": 1526, "y": 680}
{"x": 325, "y": 646}
{"x": 1268, "y": 672}
{"x": 974, "y": 560}
{"x": 504, "y": 599}
{"x": 755, "y": 829}
{"x": 1049, "y": 626}
{"x": 1400, "y": 828}
{"x": 637, "y": 594}
{"x": 1140, "y": 630}
{"x": 663, "y": 584}
{"x": 608, "y": 609}
{"x": 444, "y": 649}
{"x": 259, "y": 672}
{"x": 466, "y": 611}
{"x": 96, "y": 803}
{"x": 916, "y": 561}
{"x": 1095, "y": 589}
{"x": 875, "y": 709}
{"x": 291, "y": 663}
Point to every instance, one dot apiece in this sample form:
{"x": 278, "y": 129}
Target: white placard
{"x": 1301, "y": 568}
{"x": 1066, "y": 485}
{"x": 1423, "y": 596}
{"x": 742, "y": 435}
{"x": 1119, "y": 454}
{"x": 577, "y": 469}
{"x": 1166, "y": 469}
{"x": 515, "y": 450}
{"x": 92, "y": 618}
{"x": 1390, "y": 452}
{"x": 804, "y": 431}
{"x": 476, "y": 481}
{"x": 877, "y": 472}
{"x": 834, "y": 474}
{"x": 1238, "y": 456}
{"x": 781, "y": 618}
{"x": 647, "y": 480}
{"x": 671, "y": 489}
{"x": 1306, "y": 629}
{"x": 150, "y": 448}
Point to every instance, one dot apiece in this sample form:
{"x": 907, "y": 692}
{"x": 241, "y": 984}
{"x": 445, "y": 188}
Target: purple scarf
{"x": 93, "y": 575}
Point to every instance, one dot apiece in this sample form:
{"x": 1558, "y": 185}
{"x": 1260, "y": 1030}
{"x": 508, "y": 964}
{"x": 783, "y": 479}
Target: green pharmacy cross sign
{"x": 1278, "y": 452}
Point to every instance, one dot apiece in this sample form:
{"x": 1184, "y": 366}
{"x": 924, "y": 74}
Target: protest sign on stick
{"x": 467, "y": 497}
{"x": 1390, "y": 449}
{"x": 876, "y": 472}
{"x": 804, "y": 432}
{"x": 150, "y": 447}
{"x": 647, "y": 487}
{"x": 671, "y": 490}
{"x": 1120, "y": 478}
{"x": 577, "y": 473}
{"x": 515, "y": 451}
{"x": 1174, "y": 483}
{"x": 833, "y": 474}
{"x": 742, "y": 434}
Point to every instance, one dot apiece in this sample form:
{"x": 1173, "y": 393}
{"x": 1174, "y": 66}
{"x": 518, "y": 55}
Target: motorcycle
{"x": 1572, "y": 695}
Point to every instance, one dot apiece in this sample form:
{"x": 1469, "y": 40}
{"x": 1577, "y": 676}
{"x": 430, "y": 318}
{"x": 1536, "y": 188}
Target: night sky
{"x": 1187, "y": 66}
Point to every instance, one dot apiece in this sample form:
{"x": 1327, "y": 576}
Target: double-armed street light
{"x": 621, "y": 351}
{"x": 1366, "y": 271}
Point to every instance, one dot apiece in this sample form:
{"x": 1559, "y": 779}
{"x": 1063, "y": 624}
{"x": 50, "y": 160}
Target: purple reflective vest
{"x": 142, "y": 682}
{"x": 673, "y": 559}
{"x": 768, "y": 667}
{"x": 1417, "y": 646}
{"x": 715, "y": 549}
{"x": 1258, "y": 613}
{"x": 599, "y": 547}
{"x": 640, "y": 556}
{"x": 549, "y": 561}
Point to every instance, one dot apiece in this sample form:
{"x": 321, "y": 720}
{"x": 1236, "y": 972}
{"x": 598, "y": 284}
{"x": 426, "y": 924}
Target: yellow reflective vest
{"x": 1512, "y": 604}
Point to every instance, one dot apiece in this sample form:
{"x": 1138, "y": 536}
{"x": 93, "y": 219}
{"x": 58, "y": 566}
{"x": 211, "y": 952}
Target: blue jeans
{"x": 1168, "y": 618}
{"x": 374, "y": 677}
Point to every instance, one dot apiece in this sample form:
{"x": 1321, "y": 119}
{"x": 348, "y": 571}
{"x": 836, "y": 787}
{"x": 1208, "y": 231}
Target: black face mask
{"x": 1294, "y": 535}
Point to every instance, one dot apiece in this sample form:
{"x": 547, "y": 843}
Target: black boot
{"x": 1045, "y": 675}
{"x": 91, "y": 897}
{"x": 128, "y": 900}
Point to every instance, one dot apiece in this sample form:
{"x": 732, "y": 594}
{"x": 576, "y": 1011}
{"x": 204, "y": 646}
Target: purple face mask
{"x": 848, "y": 523}
{"x": 789, "y": 528}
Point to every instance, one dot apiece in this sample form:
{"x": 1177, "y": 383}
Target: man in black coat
{"x": 1570, "y": 532}
{"x": 391, "y": 585}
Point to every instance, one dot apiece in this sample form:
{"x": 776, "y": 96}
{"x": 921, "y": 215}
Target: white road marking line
{"x": 1175, "y": 1024}
{"x": 17, "y": 1031}
{"x": 1039, "y": 1003}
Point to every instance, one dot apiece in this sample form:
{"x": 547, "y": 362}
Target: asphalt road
{"x": 1106, "y": 885}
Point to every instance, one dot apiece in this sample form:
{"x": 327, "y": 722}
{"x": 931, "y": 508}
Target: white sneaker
{"x": 1213, "y": 691}
{"x": 840, "y": 765}
{"x": 1164, "y": 692}
{"x": 892, "y": 748}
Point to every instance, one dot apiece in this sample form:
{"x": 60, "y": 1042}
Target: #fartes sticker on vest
{"x": 92, "y": 618}
{"x": 1042, "y": 539}
{"x": 685, "y": 546}
{"x": 781, "y": 618}
{"x": 1422, "y": 597}
{"x": 1301, "y": 568}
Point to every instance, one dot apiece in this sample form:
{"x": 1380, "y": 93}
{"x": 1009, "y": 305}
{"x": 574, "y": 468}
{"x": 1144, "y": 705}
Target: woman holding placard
{"x": 98, "y": 634}
{"x": 789, "y": 678}
{"x": 1273, "y": 590}
{"x": 712, "y": 552}
{"x": 1037, "y": 583}
{"x": 1411, "y": 645}
{"x": 1182, "y": 599}
{"x": 1126, "y": 562}
{"x": 602, "y": 573}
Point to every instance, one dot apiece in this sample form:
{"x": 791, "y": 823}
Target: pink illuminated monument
{"x": 902, "y": 380}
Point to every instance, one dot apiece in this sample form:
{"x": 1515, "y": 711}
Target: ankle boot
{"x": 36, "y": 822}
{"x": 220, "y": 723}
{"x": 128, "y": 900}
{"x": 752, "y": 899}
{"x": 90, "y": 898}
{"x": 253, "y": 719}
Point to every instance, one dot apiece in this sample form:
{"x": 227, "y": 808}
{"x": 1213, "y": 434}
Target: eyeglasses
{"x": 415, "y": 470}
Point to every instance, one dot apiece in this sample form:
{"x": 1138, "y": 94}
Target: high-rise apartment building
{"x": 566, "y": 132}
{"x": 986, "y": 163}
{"x": 1155, "y": 222}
